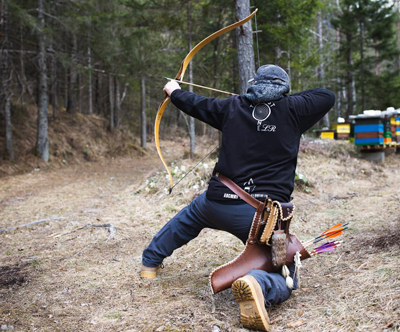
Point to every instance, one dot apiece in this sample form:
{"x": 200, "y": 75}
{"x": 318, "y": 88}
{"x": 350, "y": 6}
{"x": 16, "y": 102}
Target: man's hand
{"x": 170, "y": 87}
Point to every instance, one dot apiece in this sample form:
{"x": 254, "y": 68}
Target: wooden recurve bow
{"x": 179, "y": 77}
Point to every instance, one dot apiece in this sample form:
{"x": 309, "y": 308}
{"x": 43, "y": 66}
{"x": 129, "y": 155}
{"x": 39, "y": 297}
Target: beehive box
{"x": 325, "y": 133}
{"x": 369, "y": 134}
{"x": 369, "y": 130}
{"x": 376, "y": 128}
{"x": 342, "y": 130}
{"x": 387, "y": 134}
{"x": 396, "y": 128}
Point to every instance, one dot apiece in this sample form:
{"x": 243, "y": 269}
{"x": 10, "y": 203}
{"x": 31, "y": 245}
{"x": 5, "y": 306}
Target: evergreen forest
{"x": 109, "y": 58}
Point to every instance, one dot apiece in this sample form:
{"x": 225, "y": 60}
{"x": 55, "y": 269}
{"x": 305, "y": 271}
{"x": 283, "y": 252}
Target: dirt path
{"x": 63, "y": 276}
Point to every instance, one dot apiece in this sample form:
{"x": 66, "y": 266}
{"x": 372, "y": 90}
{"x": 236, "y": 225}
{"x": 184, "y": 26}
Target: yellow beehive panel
{"x": 342, "y": 128}
{"x": 327, "y": 135}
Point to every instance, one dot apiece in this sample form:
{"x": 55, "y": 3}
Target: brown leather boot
{"x": 248, "y": 293}
{"x": 149, "y": 272}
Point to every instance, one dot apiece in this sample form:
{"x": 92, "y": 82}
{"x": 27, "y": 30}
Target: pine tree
{"x": 366, "y": 45}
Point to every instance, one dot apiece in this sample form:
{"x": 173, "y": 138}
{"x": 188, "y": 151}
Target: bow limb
{"x": 180, "y": 75}
{"x": 207, "y": 40}
{"x": 159, "y": 115}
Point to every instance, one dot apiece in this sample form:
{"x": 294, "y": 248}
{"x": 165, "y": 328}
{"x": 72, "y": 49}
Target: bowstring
{"x": 258, "y": 49}
{"x": 194, "y": 167}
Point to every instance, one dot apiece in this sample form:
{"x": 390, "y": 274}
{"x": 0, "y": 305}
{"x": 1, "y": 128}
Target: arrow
{"x": 333, "y": 227}
{"x": 201, "y": 86}
{"x": 324, "y": 250}
{"x": 329, "y": 235}
{"x": 329, "y": 246}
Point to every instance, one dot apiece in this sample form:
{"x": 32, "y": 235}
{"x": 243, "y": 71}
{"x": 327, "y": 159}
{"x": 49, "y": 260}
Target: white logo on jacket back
{"x": 261, "y": 113}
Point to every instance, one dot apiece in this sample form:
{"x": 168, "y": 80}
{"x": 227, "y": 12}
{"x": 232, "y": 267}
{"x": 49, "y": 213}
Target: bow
{"x": 179, "y": 77}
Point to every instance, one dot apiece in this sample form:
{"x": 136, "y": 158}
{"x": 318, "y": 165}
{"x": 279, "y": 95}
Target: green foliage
{"x": 131, "y": 39}
{"x": 302, "y": 183}
{"x": 285, "y": 37}
{"x": 368, "y": 48}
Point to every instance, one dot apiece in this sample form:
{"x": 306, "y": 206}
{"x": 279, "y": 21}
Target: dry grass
{"x": 57, "y": 276}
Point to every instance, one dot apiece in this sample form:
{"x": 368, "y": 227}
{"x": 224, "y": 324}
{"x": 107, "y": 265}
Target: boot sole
{"x": 248, "y": 293}
{"x": 148, "y": 274}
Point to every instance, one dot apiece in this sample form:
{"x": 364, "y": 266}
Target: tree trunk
{"x": 377, "y": 63}
{"x": 235, "y": 74}
{"x": 362, "y": 81}
{"x": 341, "y": 95}
{"x": 244, "y": 36}
{"x": 321, "y": 69}
{"x": 143, "y": 113}
{"x": 117, "y": 114}
{"x": 42, "y": 143}
{"x": 353, "y": 91}
{"x": 111, "y": 100}
{"x": 79, "y": 93}
{"x": 5, "y": 83}
{"x": 350, "y": 83}
{"x": 97, "y": 92}
{"x": 53, "y": 79}
{"x": 72, "y": 90}
{"x": 90, "y": 108}
{"x": 9, "y": 138}
{"x": 350, "y": 92}
{"x": 398, "y": 32}
{"x": 66, "y": 85}
{"x": 23, "y": 76}
{"x": 192, "y": 128}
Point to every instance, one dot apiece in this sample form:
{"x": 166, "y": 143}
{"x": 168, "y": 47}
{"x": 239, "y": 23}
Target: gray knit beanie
{"x": 271, "y": 83}
{"x": 271, "y": 72}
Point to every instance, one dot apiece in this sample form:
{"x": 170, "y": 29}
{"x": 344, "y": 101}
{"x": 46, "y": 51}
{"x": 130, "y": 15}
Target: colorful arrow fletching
{"x": 327, "y": 244}
{"x": 330, "y": 229}
{"x": 335, "y": 228}
{"x": 328, "y": 236}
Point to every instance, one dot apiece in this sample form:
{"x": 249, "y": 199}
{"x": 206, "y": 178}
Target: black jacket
{"x": 258, "y": 155}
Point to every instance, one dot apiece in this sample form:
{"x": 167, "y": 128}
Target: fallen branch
{"x": 111, "y": 230}
{"x": 66, "y": 233}
{"x": 35, "y": 222}
{"x": 350, "y": 195}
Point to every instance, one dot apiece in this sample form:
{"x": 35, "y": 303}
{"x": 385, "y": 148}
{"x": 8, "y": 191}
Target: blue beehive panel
{"x": 368, "y": 128}
{"x": 366, "y": 141}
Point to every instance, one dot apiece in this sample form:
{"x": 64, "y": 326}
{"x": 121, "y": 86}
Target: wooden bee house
{"x": 342, "y": 130}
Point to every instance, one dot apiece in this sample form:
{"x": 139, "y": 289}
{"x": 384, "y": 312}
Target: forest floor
{"x": 67, "y": 275}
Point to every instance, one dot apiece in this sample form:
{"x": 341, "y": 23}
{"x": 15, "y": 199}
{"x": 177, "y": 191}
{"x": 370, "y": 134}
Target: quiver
{"x": 269, "y": 246}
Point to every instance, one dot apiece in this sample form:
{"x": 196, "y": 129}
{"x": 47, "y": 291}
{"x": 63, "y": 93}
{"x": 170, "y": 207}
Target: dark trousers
{"x": 203, "y": 213}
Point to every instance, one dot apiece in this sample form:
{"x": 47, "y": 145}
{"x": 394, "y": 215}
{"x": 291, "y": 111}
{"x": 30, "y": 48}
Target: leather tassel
{"x": 289, "y": 282}
{"x": 286, "y": 275}
{"x": 285, "y": 271}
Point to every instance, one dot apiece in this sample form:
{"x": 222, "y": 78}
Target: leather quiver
{"x": 271, "y": 218}
{"x": 255, "y": 256}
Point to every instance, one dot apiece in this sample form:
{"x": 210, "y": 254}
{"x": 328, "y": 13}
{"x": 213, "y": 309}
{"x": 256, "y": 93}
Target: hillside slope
{"x": 74, "y": 139}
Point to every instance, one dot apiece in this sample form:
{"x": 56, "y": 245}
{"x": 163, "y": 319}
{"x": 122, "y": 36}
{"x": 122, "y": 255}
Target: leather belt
{"x": 238, "y": 191}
